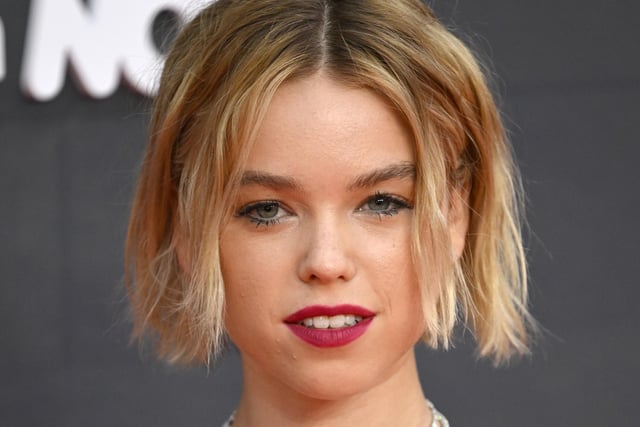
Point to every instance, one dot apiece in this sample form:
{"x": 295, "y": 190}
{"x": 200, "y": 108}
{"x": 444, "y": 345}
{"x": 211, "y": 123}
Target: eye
{"x": 384, "y": 204}
{"x": 267, "y": 212}
{"x": 379, "y": 203}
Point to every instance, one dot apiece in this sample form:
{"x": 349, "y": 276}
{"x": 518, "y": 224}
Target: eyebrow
{"x": 265, "y": 179}
{"x": 402, "y": 170}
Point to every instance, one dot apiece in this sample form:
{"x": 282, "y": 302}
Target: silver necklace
{"x": 438, "y": 420}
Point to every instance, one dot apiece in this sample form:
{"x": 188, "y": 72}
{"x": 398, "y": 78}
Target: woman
{"x": 326, "y": 183}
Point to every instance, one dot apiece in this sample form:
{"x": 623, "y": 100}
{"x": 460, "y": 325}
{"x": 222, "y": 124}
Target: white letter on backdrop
{"x": 141, "y": 61}
{"x": 61, "y": 30}
{"x": 100, "y": 41}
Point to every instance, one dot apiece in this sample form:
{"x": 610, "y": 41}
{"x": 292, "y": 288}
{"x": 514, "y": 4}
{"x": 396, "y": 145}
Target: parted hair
{"x": 219, "y": 76}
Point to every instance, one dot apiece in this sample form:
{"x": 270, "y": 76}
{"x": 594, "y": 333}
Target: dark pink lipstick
{"x": 321, "y": 337}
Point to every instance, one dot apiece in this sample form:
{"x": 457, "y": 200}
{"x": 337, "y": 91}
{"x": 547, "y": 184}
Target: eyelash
{"x": 246, "y": 212}
{"x": 395, "y": 204}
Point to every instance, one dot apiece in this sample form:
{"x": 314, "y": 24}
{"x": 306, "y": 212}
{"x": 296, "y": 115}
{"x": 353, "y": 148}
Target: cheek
{"x": 391, "y": 267}
{"x": 253, "y": 276}
{"x": 238, "y": 278}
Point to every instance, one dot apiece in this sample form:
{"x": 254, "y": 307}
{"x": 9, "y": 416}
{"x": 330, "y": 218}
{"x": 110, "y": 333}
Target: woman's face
{"x": 321, "y": 293}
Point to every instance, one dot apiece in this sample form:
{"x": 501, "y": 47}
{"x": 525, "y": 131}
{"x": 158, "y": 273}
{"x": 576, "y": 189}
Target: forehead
{"x": 316, "y": 126}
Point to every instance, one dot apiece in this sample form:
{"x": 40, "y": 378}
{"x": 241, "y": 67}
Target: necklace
{"x": 438, "y": 420}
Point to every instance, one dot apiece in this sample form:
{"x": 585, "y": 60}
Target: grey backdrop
{"x": 568, "y": 78}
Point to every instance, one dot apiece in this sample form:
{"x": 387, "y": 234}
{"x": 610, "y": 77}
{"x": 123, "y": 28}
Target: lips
{"x": 330, "y": 326}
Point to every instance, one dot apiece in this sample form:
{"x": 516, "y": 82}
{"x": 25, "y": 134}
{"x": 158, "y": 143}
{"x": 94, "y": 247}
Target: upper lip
{"x": 326, "y": 310}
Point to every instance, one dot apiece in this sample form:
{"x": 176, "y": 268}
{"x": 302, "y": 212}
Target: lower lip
{"x": 326, "y": 338}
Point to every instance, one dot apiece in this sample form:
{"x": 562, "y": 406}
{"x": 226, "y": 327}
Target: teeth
{"x": 337, "y": 321}
{"x": 321, "y": 322}
{"x": 333, "y": 322}
{"x": 350, "y": 320}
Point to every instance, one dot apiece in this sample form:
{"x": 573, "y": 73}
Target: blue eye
{"x": 384, "y": 204}
{"x": 379, "y": 203}
{"x": 268, "y": 212}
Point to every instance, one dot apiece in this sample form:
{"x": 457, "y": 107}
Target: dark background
{"x": 567, "y": 74}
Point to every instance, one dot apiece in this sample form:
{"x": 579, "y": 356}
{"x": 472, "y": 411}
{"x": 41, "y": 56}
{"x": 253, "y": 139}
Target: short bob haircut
{"x": 219, "y": 77}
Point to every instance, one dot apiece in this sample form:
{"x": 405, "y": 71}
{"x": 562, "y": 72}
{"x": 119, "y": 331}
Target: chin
{"x": 332, "y": 382}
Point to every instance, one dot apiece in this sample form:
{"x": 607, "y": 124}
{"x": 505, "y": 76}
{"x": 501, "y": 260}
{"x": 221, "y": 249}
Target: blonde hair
{"x": 218, "y": 80}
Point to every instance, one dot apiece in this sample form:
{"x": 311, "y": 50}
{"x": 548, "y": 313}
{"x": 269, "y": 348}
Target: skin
{"x": 325, "y": 241}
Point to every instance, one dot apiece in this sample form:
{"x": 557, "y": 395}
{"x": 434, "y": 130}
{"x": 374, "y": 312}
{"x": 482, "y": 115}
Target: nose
{"x": 327, "y": 253}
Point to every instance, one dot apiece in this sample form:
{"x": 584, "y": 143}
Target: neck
{"x": 397, "y": 399}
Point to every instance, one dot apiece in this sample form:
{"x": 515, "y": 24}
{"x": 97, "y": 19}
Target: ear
{"x": 458, "y": 217}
